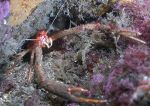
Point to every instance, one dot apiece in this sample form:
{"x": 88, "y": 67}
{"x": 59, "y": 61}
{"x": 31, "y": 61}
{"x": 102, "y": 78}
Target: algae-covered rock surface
{"x": 112, "y": 67}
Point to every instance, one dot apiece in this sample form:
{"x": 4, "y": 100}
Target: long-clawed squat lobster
{"x": 42, "y": 39}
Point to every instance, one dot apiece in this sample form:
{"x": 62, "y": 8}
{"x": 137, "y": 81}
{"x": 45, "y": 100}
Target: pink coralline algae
{"x": 97, "y": 79}
{"x": 140, "y": 14}
{"x": 125, "y": 76}
{"x": 4, "y": 9}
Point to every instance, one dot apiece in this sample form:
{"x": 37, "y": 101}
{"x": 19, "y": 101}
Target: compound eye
{"x": 50, "y": 42}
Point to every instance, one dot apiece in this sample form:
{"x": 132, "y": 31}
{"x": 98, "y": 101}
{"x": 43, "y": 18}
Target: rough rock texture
{"x": 21, "y": 9}
{"x": 83, "y": 59}
{"x": 65, "y": 61}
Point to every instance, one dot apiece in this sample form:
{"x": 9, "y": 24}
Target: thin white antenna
{"x": 56, "y": 16}
{"x": 20, "y": 44}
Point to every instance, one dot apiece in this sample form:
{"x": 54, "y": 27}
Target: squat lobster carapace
{"x": 43, "y": 40}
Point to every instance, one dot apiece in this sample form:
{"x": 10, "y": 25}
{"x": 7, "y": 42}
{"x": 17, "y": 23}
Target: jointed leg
{"x": 58, "y": 88}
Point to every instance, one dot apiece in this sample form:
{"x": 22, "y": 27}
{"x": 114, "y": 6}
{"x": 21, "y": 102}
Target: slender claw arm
{"x": 58, "y": 88}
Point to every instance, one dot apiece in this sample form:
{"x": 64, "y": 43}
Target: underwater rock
{"x": 21, "y": 9}
{"x": 101, "y": 40}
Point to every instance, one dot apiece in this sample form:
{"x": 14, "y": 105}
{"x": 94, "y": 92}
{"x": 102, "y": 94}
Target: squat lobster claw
{"x": 42, "y": 38}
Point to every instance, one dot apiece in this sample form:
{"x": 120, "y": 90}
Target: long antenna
{"x": 56, "y": 16}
